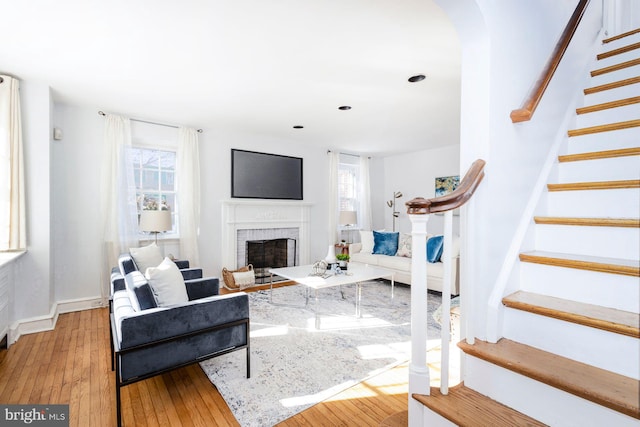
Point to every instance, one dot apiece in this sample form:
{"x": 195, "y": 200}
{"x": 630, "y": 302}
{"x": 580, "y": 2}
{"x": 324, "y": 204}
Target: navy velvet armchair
{"x": 148, "y": 340}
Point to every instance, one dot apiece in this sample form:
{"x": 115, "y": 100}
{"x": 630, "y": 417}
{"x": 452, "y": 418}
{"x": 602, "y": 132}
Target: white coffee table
{"x": 357, "y": 273}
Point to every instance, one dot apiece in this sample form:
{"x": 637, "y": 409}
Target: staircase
{"x": 570, "y": 352}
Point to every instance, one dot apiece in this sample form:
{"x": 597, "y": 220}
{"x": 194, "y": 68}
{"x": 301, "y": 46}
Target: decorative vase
{"x": 331, "y": 255}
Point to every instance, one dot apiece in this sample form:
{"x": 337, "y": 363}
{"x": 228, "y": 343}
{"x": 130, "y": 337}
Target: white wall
{"x": 414, "y": 175}
{"x": 77, "y": 230}
{"x": 505, "y": 45}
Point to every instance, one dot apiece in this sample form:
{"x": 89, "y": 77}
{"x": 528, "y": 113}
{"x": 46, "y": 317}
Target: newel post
{"x": 419, "y": 381}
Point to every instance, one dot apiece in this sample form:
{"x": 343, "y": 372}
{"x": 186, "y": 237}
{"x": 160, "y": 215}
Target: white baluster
{"x": 446, "y": 302}
{"x": 418, "y": 369}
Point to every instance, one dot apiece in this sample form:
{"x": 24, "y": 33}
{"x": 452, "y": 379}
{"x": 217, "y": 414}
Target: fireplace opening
{"x": 270, "y": 253}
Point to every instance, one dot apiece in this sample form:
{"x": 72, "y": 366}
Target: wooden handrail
{"x": 460, "y": 196}
{"x": 525, "y": 112}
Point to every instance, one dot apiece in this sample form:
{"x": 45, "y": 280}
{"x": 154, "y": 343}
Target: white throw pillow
{"x": 146, "y": 256}
{"x": 366, "y": 238}
{"x": 404, "y": 246}
{"x": 167, "y": 284}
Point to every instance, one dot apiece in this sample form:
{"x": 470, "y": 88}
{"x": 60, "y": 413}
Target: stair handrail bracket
{"x": 418, "y": 210}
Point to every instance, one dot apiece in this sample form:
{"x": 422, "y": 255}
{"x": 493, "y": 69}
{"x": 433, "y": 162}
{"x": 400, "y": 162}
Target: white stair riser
{"x": 610, "y": 242}
{"x": 540, "y": 401}
{"x": 611, "y": 169}
{"x": 610, "y": 115}
{"x": 617, "y": 59}
{"x": 616, "y": 94}
{"x": 612, "y": 140}
{"x": 590, "y": 287}
{"x": 613, "y": 76}
{"x": 431, "y": 419}
{"x": 612, "y": 352}
{"x": 622, "y": 203}
{"x": 624, "y": 41}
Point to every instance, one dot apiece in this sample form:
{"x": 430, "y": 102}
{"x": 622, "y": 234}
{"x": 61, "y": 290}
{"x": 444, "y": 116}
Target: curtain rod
{"x": 348, "y": 154}
{"x": 151, "y": 123}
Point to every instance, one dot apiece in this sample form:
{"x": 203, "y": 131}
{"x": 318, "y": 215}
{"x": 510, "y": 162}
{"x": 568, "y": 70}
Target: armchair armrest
{"x": 202, "y": 288}
{"x": 182, "y": 263}
{"x": 191, "y": 273}
{"x": 158, "y": 324}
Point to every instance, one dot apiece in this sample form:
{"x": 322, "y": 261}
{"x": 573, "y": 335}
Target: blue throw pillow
{"x": 385, "y": 243}
{"x": 434, "y": 248}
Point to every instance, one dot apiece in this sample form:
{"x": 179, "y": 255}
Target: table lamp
{"x": 155, "y": 221}
{"x": 348, "y": 219}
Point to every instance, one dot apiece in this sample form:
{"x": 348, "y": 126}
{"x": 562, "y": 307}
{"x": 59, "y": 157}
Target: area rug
{"x": 294, "y": 365}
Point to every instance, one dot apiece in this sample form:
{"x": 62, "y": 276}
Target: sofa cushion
{"x": 167, "y": 284}
{"x": 434, "y": 248}
{"x": 146, "y": 256}
{"x": 365, "y": 258}
{"x": 385, "y": 243}
{"x": 395, "y": 263}
{"x": 139, "y": 291}
{"x": 404, "y": 245}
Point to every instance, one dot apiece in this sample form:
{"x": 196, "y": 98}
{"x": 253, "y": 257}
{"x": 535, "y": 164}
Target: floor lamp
{"x": 155, "y": 222}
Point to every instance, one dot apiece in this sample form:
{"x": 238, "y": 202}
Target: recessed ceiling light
{"x": 298, "y": 127}
{"x": 418, "y": 78}
{"x": 344, "y": 108}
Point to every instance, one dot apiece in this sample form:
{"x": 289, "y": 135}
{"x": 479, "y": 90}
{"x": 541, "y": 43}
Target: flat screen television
{"x": 265, "y": 176}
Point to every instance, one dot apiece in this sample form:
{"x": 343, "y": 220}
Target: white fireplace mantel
{"x": 249, "y": 214}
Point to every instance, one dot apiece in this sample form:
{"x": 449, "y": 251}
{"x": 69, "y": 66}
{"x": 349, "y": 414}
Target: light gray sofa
{"x": 401, "y": 266}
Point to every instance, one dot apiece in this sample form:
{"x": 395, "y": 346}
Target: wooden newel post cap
{"x": 418, "y": 206}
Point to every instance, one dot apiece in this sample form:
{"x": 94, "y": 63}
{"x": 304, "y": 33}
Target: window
{"x": 348, "y": 182}
{"x": 154, "y": 176}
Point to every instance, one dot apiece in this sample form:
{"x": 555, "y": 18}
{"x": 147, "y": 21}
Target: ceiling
{"x": 255, "y": 66}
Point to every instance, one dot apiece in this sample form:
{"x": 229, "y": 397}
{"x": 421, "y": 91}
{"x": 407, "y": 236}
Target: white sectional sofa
{"x": 401, "y": 265}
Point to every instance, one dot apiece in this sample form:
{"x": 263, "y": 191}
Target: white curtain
{"x": 334, "y": 233}
{"x": 118, "y": 192}
{"x": 188, "y": 183}
{"x": 13, "y": 235}
{"x": 364, "y": 213}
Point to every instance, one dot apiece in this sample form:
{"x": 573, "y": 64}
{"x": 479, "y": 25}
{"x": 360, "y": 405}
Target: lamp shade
{"x": 348, "y": 218}
{"x": 155, "y": 221}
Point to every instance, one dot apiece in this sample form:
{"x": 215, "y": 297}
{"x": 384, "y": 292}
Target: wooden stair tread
{"x": 604, "y": 128}
{"x": 466, "y": 407}
{"x": 592, "y": 155}
{"x": 589, "y": 222}
{"x": 594, "y": 316}
{"x": 615, "y": 67}
{"x": 624, "y": 267}
{"x": 618, "y": 51}
{"x": 602, "y": 387}
{"x": 620, "y": 36}
{"x": 609, "y": 105}
{"x": 595, "y": 185}
{"x": 612, "y": 85}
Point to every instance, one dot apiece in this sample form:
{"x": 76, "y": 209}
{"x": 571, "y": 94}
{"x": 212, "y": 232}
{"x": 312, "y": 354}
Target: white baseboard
{"x": 48, "y": 321}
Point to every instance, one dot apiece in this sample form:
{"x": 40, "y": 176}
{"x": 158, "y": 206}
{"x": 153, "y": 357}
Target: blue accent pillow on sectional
{"x": 435, "y": 245}
{"x": 385, "y": 243}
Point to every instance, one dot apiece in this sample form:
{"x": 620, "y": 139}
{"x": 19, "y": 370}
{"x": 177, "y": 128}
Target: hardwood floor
{"x": 72, "y": 365}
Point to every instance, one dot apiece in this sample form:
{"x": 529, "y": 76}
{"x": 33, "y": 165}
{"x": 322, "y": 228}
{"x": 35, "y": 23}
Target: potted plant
{"x": 343, "y": 259}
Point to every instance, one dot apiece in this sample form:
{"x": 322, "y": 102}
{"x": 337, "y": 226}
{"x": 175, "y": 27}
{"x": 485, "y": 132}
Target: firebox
{"x": 270, "y": 253}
